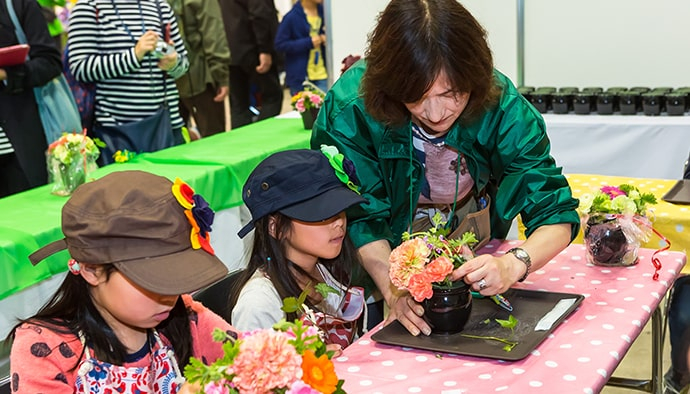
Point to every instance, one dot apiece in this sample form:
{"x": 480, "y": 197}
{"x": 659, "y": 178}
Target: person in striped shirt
{"x": 112, "y": 44}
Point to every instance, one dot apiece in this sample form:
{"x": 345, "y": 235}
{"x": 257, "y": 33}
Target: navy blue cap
{"x": 300, "y": 184}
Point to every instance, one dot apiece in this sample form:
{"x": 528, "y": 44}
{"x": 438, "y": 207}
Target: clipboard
{"x": 13, "y": 55}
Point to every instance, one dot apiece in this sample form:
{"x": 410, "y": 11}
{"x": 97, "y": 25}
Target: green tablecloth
{"x": 216, "y": 167}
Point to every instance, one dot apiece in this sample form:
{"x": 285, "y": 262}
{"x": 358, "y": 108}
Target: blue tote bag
{"x": 56, "y": 105}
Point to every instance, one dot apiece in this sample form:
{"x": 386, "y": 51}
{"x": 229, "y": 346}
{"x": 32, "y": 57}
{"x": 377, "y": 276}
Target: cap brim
{"x": 47, "y": 250}
{"x": 177, "y": 273}
{"x": 324, "y": 206}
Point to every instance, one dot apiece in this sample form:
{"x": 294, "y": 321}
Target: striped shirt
{"x": 102, "y": 36}
{"x": 5, "y": 145}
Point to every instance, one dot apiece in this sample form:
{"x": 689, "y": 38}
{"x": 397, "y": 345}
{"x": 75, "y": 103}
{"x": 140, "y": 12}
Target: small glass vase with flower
{"x": 307, "y": 102}
{"x": 615, "y": 221}
{"x": 70, "y": 159}
{"x": 422, "y": 264}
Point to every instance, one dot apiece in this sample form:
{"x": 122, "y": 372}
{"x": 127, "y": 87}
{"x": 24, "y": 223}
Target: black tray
{"x": 529, "y": 307}
{"x": 679, "y": 193}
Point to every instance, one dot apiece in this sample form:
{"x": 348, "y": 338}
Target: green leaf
{"x": 325, "y": 289}
{"x": 290, "y": 305}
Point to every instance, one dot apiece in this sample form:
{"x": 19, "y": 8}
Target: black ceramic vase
{"x": 308, "y": 117}
{"x": 606, "y": 243}
{"x": 448, "y": 310}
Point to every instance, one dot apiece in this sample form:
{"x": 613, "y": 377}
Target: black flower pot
{"x": 308, "y": 117}
{"x": 448, "y": 310}
{"x": 607, "y": 244}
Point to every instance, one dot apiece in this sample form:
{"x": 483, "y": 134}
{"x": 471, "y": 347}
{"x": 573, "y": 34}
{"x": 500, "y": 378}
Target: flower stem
{"x": 510, "y": 344}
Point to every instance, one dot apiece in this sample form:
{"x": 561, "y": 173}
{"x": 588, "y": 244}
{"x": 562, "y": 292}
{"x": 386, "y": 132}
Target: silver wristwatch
{"x": 524, "y": 257}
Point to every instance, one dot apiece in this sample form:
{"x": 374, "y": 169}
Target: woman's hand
{"x": 168, "y": 61}
{"x": 409, "y": 313}
{"x": 147, "y": 42}
{"x": 490, "y": 275}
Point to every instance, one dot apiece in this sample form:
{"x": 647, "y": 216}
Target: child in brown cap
{"x": 137, "y": 242}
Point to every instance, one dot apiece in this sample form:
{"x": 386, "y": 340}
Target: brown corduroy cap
{"x": 132, "y": 220}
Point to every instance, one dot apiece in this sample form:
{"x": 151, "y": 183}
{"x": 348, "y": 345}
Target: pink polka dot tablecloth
{"x": 577, "y": 357}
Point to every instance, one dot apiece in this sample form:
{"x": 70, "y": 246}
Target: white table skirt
{"x": 620, "y": 145}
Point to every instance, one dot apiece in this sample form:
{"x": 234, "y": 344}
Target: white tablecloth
{"x": 620, "y": 145}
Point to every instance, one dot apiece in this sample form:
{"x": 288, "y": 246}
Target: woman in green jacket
{"x": 429, "y": 123}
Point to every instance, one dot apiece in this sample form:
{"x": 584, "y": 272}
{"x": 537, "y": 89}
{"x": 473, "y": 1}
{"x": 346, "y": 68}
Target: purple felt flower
{"x": 203, "y": 214}
{"x": 349, "y": 168}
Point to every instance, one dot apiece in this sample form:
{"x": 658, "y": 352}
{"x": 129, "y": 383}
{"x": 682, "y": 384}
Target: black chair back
{"x": 216, "y": 296}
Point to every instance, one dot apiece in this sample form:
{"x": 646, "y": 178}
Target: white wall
{"x": 567, "y": 43}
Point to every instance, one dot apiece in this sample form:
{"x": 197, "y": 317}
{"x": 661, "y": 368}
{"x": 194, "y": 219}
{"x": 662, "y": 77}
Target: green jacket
{"x": 507, "y": 152}
{"x": 203, "y": 32}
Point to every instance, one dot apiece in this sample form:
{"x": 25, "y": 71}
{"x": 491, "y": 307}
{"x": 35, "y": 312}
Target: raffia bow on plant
{"x": 627, "y": 204}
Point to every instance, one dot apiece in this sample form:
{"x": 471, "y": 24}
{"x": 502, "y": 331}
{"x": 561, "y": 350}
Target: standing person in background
{"x": 22, "y": 139}
{"x": 302, "y": 37}
{"x": 250, "y": 27}
{"x": 113, "y": 44}
{"x": 432, "y": 127}
{"x": 204, "y": 87}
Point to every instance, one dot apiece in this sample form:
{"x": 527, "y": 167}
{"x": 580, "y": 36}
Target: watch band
{"x": 523, "y": 256}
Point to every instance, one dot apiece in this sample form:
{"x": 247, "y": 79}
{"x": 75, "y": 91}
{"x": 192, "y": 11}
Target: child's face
{"x": 125, "y": 306}
{"x": 308, "y": 241}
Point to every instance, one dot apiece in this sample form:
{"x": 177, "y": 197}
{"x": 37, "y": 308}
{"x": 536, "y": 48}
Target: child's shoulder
{"x": 34, "y": 340}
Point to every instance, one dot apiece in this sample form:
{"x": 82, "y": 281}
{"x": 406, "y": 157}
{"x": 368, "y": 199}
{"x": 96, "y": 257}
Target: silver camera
{"x": 163, "y": 49}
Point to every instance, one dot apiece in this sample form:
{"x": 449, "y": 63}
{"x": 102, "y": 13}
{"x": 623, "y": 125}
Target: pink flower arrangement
{"x": 291, "y": 358}
{"x": 426, "y": 259}
{"x": 306, "y": 99}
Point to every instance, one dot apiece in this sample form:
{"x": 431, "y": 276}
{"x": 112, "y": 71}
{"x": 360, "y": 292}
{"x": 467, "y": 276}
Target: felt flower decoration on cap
{"x": 198, "y": 212}
{"x": 344, "y": 168}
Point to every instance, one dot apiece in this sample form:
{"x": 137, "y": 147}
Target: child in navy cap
{"x": 298, "y": 199}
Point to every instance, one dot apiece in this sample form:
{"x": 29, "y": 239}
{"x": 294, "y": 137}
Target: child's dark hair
{"x": 268, "y": 254}
{"x": 71, "y": 311}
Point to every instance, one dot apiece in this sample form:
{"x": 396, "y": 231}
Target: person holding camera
{"x": 133, "y": 52}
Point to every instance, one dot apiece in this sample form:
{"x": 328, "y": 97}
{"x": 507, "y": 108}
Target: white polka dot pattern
{"x": 579, "y": 355}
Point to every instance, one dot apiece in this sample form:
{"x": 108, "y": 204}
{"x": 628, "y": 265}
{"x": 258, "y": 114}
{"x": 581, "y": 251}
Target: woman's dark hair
{"x": 413, "y": 41}
{"x": 71, "y": 311}
{"x": 268, "y": 254}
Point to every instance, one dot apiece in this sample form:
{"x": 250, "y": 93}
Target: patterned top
{"x": 43, "y": 361}
{"x": 101, "y": 40}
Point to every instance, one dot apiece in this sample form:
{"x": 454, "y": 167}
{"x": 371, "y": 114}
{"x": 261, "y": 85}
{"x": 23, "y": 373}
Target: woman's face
{"x": 306, "y": 242}
{"x": 440, "y": 106}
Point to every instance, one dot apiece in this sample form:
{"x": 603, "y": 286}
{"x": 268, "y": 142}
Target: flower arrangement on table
{"x": 615, "y": 222}
{"x": 290, "y": 358}
{"x": 306, "y": 99}
{"x": 307, "y": 103}
{"x": 70, "y": 159}
{"x": 426, "y": 259}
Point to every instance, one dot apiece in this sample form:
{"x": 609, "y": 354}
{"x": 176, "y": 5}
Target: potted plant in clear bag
{"x": 422, "y": 265}
{"x": 615, "y": 221}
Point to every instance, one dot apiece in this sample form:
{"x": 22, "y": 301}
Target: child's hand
{"x": 335, "y": 348}
{"x": 189, "y": 388}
